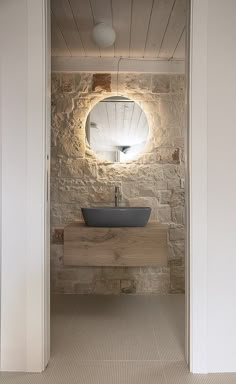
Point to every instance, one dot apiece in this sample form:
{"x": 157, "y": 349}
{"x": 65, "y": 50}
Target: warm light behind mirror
{"x": 117, "y": 129}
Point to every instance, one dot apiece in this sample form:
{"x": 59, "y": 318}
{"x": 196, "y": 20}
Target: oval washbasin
{"x": 116, "y": 216}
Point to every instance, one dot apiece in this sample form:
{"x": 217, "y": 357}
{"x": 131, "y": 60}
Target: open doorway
{"x": 23, "y": 287}
{"x": 103, "y": 313}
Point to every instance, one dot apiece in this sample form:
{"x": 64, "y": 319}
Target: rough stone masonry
{"x": 79, "y": 179}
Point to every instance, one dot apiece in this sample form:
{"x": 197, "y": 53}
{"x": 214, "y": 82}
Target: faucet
{"x": 117, "y": 196}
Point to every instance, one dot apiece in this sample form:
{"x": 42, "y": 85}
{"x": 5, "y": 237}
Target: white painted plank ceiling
{"x": 145, "y": 28}
{"x": 161, "y": 11}
{"x": 174, "y": 29}
{"x": 84, "y": 19}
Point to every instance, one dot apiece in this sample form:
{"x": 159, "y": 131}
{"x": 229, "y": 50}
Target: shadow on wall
{"x": 79, "y": 179}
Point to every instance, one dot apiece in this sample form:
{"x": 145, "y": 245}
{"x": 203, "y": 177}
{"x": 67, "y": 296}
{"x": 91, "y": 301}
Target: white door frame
{"x": 36, "y": 275}
{"x": 38, "y": 146}
{"x": 24, "y": 112}
{"x": 196, "y": 275}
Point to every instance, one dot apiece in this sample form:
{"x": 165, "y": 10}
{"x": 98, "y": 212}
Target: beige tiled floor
{"x": 117, "y": 340}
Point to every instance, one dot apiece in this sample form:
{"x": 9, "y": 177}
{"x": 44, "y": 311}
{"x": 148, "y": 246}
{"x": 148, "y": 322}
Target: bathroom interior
{"x": 117, "y": 183}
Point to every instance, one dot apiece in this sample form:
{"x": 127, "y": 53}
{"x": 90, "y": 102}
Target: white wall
{"x": 212, "y": 137}
{"x": 22, "y": 127}
{"x": 13, "y": 127}
{"x": 212, "y": 186}
{"x": 221, "y": 142}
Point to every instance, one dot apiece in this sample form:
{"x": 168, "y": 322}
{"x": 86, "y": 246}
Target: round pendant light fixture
{"x": 103, "y": 35}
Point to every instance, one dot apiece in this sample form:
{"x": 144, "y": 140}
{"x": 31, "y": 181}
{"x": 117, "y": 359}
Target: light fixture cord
{"x": 117, "y": 74}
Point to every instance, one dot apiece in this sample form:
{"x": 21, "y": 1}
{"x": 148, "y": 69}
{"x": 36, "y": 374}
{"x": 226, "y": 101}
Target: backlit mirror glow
{"x": 117, "y": 129}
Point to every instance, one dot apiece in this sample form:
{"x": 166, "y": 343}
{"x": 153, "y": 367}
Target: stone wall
{"x": 79, "y": 179}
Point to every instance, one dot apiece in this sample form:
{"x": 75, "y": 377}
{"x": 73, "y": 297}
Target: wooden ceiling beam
{"x": 110, "y": 64}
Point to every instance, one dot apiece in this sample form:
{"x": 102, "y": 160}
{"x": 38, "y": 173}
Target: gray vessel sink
{"x": 116, "y": 216}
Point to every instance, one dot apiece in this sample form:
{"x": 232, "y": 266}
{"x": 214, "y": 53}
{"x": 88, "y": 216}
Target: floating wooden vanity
{"x": 124, "y": 246}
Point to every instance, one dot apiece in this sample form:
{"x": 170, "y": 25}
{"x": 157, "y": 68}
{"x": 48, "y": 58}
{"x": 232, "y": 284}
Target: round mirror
{"x": 117, "y": 129}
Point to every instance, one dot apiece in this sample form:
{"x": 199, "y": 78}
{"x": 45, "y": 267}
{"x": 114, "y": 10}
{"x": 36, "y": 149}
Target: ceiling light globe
{"x": 103, "y": 35}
